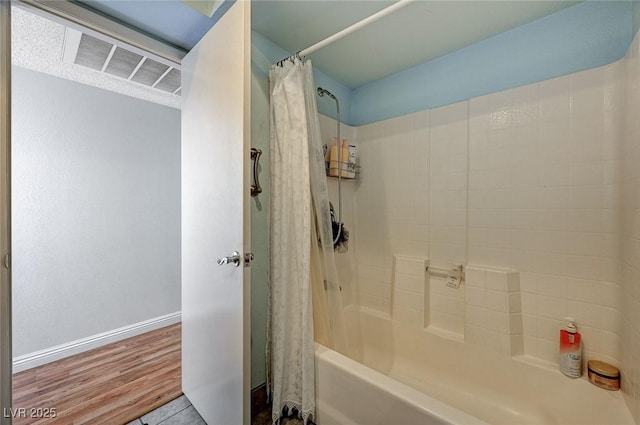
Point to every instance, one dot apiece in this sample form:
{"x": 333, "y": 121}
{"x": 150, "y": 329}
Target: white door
{"x": 215, "y": 220}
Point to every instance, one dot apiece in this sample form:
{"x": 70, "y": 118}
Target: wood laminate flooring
{"x": 111, "y": 385}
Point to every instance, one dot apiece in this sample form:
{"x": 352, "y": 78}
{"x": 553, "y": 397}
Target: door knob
{"x": 234, "y": 258}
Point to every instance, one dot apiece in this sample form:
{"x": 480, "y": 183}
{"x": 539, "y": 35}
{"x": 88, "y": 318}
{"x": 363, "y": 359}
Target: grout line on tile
{"x": 169, "y": 417}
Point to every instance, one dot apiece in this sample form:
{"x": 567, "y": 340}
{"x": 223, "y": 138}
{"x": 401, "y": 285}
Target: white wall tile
{"x": 475, "y": 296}
{"x": 552, "y": 286}
{"x": 531, "y": 345}
{"x": 410, "y": 283}
{"x": 554, "y": 99}
{"x": 549, "y": 329}
{"x": 529, "y": 179}
{"x": 587, "y": 93}
{"x": 525, "y": 105}
{"x": 496, "y": 280}
{"x": 551, "y": 307}
{"x": 554, "y": 141}
{"x": 586, "y": 220}
{"x": 585, "y": 313}
{"x": 475, "y": 316}
{"x": 496, "y": 300}
{"x": 588, "y": 291}
{"x": 497, "y": 321}
{"x": 587, "y": 197}
{"x": 408, "y": 299}
{"x": 553, "y": 173}
{"x": 475, "y": 276}
{"x": 548, "y": 350}
{"x": 409, "y": 317}
{"x": 586, "y": 139}
{"x": 515, "y": 324}
{"x": 514, "y": 303}
{"x": 410, "y": 266}
{"x": 587, "y": 173}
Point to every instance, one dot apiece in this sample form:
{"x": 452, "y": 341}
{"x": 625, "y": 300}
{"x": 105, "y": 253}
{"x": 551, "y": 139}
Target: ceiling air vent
{"x": 84, "y": 50}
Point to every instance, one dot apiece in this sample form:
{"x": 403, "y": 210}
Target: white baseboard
{"x": 61, "y": 351}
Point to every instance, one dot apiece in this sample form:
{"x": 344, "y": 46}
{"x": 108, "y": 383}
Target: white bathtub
{"x": 405, "y": 377}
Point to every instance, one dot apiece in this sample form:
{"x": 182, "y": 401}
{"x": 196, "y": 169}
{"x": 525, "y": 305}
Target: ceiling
{"x": 421, "y": 31}
{"x": 171, "y": 21}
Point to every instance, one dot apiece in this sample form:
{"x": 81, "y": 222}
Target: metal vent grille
{"x": 150, "y": 72}
{"x": 92, "y": 52}
{"x": 123, "y": 63}
{"x": 171, "y": 82}
{"x": 99, "y": 55}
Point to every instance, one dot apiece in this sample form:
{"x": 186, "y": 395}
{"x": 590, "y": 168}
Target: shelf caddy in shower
{"x": 350, "y": 168}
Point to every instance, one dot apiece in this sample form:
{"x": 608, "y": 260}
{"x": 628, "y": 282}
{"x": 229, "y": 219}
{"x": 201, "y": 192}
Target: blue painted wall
{"x": 264, "y": 53}
{"x": 583, "y": 36}
{"x": 636, "y": 16}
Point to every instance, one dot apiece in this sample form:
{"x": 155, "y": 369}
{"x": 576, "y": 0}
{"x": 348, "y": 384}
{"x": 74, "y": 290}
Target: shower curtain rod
{"x": 352, "y": 28}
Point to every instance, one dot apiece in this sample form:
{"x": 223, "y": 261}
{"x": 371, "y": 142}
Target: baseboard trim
{"x": 78, "y": 346}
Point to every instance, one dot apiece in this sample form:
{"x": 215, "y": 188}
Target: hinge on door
{"x": 7, "y": 261}
{"x": 248, "y": 258}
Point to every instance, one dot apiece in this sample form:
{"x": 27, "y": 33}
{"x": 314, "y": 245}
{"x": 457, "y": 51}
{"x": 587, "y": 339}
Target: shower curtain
{"x": 304, "y": 291}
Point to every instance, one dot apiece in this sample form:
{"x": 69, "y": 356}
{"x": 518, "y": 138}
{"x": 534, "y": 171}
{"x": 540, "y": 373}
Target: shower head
{"x": 322, "y": 92}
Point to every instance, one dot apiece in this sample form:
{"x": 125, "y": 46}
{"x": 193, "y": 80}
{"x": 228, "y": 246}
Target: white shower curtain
{"x": 300, "y": 264}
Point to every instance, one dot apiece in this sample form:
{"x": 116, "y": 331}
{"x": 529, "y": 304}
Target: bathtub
{"x": 406, "y": 377}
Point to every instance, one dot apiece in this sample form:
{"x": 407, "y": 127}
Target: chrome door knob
{"x": 234, "y": 258}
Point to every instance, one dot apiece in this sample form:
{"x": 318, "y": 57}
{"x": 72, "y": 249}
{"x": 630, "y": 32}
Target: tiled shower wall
{"x": 448, "y": 169}
{"x": 346, "y": 263}
{"x": 391, "y": 195}
{"x": 524, "y": 179}
{"x": 542, "y": 179}
{"x": 630, "y": 197}
{"x": 543, "y": 166}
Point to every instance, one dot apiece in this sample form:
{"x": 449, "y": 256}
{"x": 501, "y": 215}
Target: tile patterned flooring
{"x": 181, "y": 412}
{"x": 176, "y": 412}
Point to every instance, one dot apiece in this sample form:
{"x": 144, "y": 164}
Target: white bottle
{"x": 570, "y": 349}
{"x": 352, "y": 162}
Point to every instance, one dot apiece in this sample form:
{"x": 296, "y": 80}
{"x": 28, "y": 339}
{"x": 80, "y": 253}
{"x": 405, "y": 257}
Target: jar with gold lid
{"x": 604, "y": 375}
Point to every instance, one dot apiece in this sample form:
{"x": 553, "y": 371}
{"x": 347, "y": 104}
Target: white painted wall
{"x": 96, "y": 211}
